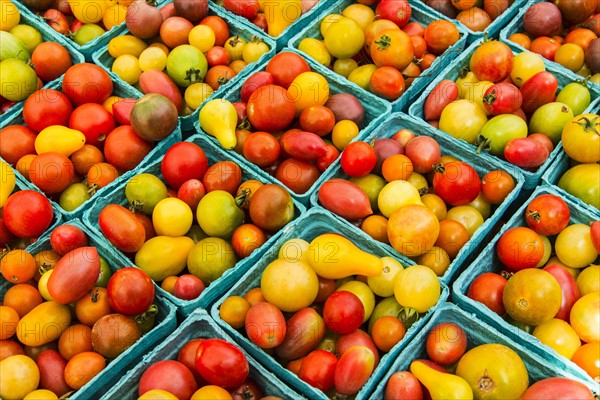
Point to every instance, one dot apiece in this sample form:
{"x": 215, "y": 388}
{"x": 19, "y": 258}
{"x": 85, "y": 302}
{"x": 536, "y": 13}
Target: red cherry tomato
{"x": 318, "y": 369}
{"x": 182, "y": 162}
{"x": 456, "y": 182}
{"x": 487, "y": 289}
{"x": 547, "y": 214}
{"x": 130, "y": 291}
{"x": 358, "y": 159}
{"x": 221, "y": 363}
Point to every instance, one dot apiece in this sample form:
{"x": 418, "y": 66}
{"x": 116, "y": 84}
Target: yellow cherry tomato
{"x": 197, "y": 93}
{"x": 152, "y": 58}
{"x": 10, "y": 15}
{"x": 7, "y": 182}
{"x": 127, "y": 67}
{"x": 308, "y": 89}
{"x": 172, "y": 217}
{"x": 202, "y": 37}
{"x": 114, "y": 16}
{"x": 19, "y": 376}
{"x": 108, "y": 103}
{"x": 343, "y": 133}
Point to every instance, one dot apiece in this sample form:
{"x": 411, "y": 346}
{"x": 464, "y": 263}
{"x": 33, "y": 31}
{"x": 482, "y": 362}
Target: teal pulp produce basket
{"x": 197, "y": 325}
{"x": 165, "y": 320}
{"x": 452, "y": 72}
{"x": 483, "y": 163}
{"x": 421, "y": 14}
{"x": 478, "y": 333}
{"x": 374, "y": 107}
{"x": 236, "y": 28}
{"x": 314, "y": 223}
{"x": 488, "y": 261}
{"x": 119, "y": 89}
{"x": 220, "y": 286}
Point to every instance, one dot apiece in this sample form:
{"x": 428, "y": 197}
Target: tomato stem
{"x": 490, "y": 98}
{"x": 483, "y": 143}
{"x": 589, "y": 125}
{"x": 408, "y": 316}
{"x": 506, "y": 275}
{"x": 94, "y": 296}
{"x": 136, "y": 206}
{"x": 534, "y": 215}
{"x": 93, "y": 189}
{"x": 463, "y": 72}
{"x": 383, "y": 43}
{"x": 193, "y": 75}
{"x": 245, "y": 124}
{"x": 241, "y": 200}
{"x": 439, "y": 168}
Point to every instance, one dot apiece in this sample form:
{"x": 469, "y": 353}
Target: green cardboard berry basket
{"x": 478, "y": 333}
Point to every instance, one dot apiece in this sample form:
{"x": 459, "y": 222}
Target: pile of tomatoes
{"x": 27, "y": 62}
{"x": 273, "y": 18}
{"x": 517, "y": 94}
{"x": 390, "y": 50}
{"x": 566, "y": 33}
{"x": 65, "y": 313}
{"x": 554, "y": 298}
{"x": 186, "y": 216}
{"x": 328, "y": 310}
{"x": 190, "y": 60}
{"x": 83, "y": 21}
{"x": 206, "y": 369}
{"x": 470, "y": 12}
{"x": 487, "y": 370}
{"x": 404, "y": 192}
{"x": 286, "y": 114}
{"x": 79, "y": 139}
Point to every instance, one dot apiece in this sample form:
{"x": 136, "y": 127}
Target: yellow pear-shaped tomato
{"x": 44, "y": 324}
{"x": 164, "y": 256}
{"x": 362, "y": 75}
{"x": 441, "y": 385}
{"x": 290, "y": 286}
{"x": 332, "y": 256}
{"x": 397, "y": 194}
{"x": 218, "y": 118}
{"x": 280, "y": 14}
{"x": 7, "y": 182}
{"x": 417, "y": 287}
{"x": 59, "y": 139}
{"x": 308, "y": 89}
{"x": 413, "y": 230}
{"x": 19, "y": 375}
{"x": 316, "y": 49}
{"x": 89, "y": 11}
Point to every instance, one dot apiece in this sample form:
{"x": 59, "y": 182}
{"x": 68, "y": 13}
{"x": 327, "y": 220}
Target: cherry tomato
{"x": 358, "y": 159}
{"x": 318, "y": 369}
{"x": 547, "y": 214}
{"x": 457, "y": 183}
{"x": 86, "y": 83}
{"x": 343, "y": 312}
{"x": 261, "y": 148}
{"x": 46, "y": 107}
{"x": 446, "y": 343}
{"x": 520, "y": 248}
{"x": 221, "y": 363}
{"x": 487, "y": 289}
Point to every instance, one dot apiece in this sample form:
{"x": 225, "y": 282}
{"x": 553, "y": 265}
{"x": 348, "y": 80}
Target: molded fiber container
{"x": 488, "y": 261}
{"x": 420, "y": 13}
{"x": 48, "y": 35}
{"x": 482, "y": 163}
{"x": 493, "y": 30}
{"x": 313, "y": 224}
{"x": 103, "y": 58}
{"x": 198, "y": 325}
{"x": 89, "y": 48}
{"x": 119, "y": 89}
{"x": 452, "y": 72}
{"x": 283, "y": 39}
{"x": 375, "y": 110}
{"x": 478, "y": 333}
{"x": 165, "y": 322}
{"x": 561, "y": 164}
{"x": 516, "y": 26}
{"x": 217, "y": 288}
